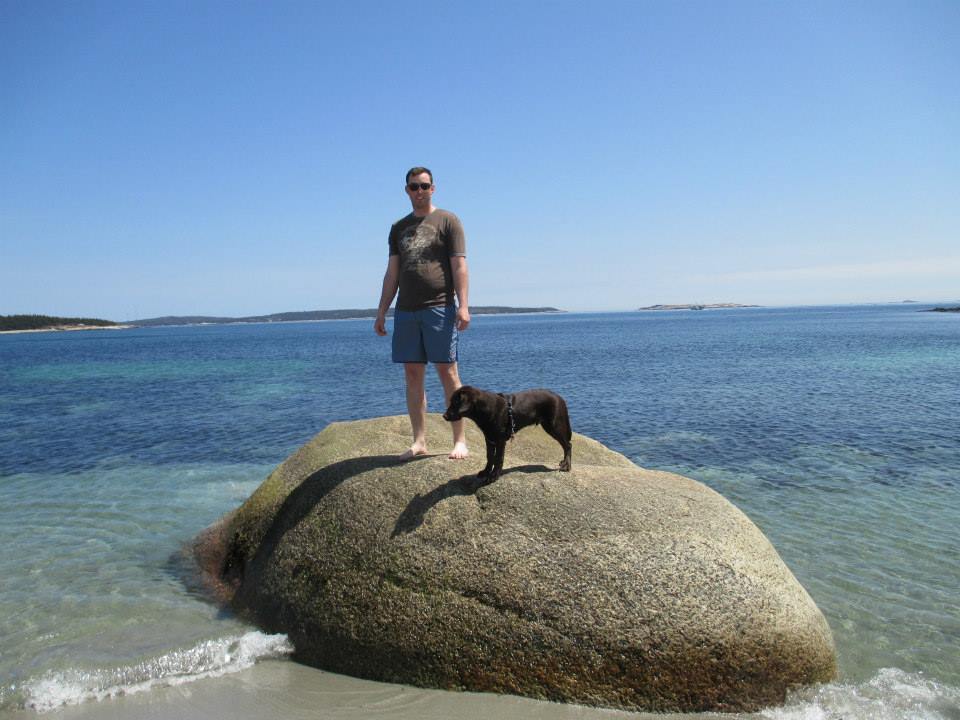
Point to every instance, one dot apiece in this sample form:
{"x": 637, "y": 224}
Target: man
{"x": 428, "y": 265}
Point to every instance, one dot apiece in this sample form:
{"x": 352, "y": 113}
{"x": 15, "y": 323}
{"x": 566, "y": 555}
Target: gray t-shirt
{"x": 425, "y": 246}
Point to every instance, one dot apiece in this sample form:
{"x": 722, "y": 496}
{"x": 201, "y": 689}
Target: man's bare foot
{"x": 414, "y": 450}
{"x": 459, "y": 452}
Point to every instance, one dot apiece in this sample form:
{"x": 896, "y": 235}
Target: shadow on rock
{"x": 412, "y": 516}
{"x": 528, "y": 469}
{"x": 301, "y": 500}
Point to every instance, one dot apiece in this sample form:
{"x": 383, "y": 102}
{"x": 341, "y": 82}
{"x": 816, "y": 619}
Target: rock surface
{"x": 609, "y": 585}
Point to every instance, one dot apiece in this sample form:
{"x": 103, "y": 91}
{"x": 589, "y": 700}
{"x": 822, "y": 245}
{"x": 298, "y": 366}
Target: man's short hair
{"x": 417, "y": 171}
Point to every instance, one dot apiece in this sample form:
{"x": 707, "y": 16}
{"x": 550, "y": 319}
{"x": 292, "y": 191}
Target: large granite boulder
{"x": 609, "y": 585}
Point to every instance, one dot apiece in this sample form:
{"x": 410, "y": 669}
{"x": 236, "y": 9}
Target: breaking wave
{"x": 211, "y": 658}
{"x": 891, "y": 694}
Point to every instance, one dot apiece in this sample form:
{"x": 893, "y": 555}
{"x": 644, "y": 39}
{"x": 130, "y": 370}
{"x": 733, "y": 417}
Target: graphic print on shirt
{"x": 418, "y": 245}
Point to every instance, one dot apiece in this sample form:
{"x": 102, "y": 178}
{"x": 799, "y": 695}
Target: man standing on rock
{"x": 428, "y": 265}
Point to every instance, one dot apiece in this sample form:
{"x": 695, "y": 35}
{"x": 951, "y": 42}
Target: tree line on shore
{"x": 42, "y": 322}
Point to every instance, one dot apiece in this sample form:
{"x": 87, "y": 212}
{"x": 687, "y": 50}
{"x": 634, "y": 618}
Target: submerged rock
{"x": 609, "y": 585}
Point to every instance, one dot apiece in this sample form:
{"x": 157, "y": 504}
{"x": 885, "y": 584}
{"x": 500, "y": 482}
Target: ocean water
{"x": 834, "y": 428}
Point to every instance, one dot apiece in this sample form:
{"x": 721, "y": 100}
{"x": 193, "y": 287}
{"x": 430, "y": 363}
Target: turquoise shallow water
{"x": 834, "y": 429}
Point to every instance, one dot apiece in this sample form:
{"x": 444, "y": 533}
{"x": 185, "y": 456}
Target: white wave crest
{"x": 891, "y": 694}
{"x": 211, "y": 658}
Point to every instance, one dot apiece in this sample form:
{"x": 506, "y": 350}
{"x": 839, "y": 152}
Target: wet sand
{"x": 284, "y": 689}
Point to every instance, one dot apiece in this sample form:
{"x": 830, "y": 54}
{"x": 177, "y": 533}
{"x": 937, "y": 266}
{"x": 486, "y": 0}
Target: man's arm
{"x": 391, "y": 281}
{"x": 461, "y": 285}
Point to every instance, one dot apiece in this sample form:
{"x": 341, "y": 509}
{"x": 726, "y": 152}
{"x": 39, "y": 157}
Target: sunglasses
{"x": 413, "y": 187}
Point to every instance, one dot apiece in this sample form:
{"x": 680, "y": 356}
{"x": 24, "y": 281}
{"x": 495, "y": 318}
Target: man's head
{"x": 418, "y": 171}
{"x": 420, "y": 189}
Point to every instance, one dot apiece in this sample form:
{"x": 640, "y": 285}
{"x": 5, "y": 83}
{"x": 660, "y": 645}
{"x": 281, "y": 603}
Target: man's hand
{"x": 463, "y": 318}
{"x": 380, "y": 324}
{"x": 390, "y": 286}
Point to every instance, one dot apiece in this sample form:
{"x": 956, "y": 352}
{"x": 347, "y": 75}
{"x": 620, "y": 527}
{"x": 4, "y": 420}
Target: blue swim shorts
{"x": 425, "y": 335}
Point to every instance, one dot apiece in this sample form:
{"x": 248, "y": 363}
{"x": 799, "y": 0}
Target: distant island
{"x": 34, "y": 323}
{"x": 310, "y": 315}
{"x": 695, "y": 306}
{"x": 944, "y": 309}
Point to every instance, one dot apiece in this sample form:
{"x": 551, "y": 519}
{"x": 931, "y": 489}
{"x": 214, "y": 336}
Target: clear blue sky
{"x": 244, "y": 158}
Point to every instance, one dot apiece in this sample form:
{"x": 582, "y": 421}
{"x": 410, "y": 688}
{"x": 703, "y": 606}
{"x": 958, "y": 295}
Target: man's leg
{"x": 414, "y": 374}
{"x": 450, "y": 378}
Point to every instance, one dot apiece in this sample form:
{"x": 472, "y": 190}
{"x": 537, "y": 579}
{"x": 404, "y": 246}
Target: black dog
{"x": 500, "y": 417}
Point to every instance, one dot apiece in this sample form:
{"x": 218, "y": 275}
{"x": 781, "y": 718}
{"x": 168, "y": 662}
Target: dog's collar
{"x": 513, "y": 424}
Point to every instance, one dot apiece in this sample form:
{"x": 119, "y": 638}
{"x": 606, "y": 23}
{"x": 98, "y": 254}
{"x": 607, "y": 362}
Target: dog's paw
{"x": 483, "y": 474}
{"x": 565, "y": 466}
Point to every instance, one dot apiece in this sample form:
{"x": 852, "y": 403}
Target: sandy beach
{"x": 280, "y": 688}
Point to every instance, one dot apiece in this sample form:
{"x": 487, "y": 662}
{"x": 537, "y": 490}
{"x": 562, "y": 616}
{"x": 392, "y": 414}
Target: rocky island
{"x": 609, "y": 585}
{"x": 695, "y": 306}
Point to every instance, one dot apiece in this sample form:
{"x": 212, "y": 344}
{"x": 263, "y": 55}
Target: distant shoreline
{"x": 66, "y": 328}
{"x": 335, "y": 315}
{"x": 36, "y": 322}
{"x": 697, "y": 306}
{"x": 293, "y": 317}
{"x": 318, "y": 315}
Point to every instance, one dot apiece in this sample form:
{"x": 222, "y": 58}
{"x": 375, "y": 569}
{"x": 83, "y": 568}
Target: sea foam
{"x": 211, "y": 658}
{"x": 891, "y": 694}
